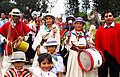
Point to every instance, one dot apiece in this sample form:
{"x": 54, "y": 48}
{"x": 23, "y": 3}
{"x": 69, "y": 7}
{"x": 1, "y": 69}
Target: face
{"x": 18, "y": 65}
{"x": 45, "y": 65}
{"x": 78, "y": 26}
{"x": 108, "y": 18}
{"x": 49, "y": 20}
{"x": 16, "y": 18}
{"x": 51, "y": 49}
{"x": 25, "y": 20}
{"x": 2, "y": 15}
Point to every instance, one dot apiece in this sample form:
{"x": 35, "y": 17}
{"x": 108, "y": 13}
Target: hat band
{"x": 51, "y": 42}
{"x": 16, "y": 12}
{"x": 18, "y": 59}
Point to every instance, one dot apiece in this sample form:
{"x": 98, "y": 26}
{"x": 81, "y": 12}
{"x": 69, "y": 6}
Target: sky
{"x": 59, "y": 7}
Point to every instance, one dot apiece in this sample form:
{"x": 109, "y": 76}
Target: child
{"x": 18, "y": 60}
{"x": 51, "y": 46}
{"x": 45, "y": 64}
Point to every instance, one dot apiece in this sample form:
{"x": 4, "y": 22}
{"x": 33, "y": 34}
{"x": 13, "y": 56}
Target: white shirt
{"x": 37, "y": 72}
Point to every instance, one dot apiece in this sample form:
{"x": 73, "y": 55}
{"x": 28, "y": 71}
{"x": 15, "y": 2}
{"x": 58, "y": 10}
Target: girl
{"x": 51, "y": 46}
{"x": 49, "y": 29}
{"x": 45, "y": 64}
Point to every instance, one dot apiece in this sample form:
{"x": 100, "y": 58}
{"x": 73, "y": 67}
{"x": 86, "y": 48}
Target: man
{"x": 3, "y": 20}
{"x": 12, "y": 32}
{"x": 107, "y": 39}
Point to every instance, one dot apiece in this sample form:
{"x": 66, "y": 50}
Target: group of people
{"x": 57, "y": 46}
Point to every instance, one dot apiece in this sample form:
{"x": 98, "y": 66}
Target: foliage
{"x": 82, "y": 14}
{"x": 6, "y": 7}
{"x": 86, "y": 5}
{"x": 72, "y": 7}
{"x": 103, "y": 5}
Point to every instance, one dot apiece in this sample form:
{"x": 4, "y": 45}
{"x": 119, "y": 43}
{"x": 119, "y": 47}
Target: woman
{"x": 49, "y": 29}
{"x": 78, "y": 35}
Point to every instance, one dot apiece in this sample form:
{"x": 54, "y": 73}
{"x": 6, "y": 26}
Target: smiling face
{"x": 49, "y": 20}
{"x": 108, "y": 17}
{"x": 45, "y": 65}
{"x": 18, "y": 65}
{"x": 78, "y": 26}
{"x": 51, "y": 49}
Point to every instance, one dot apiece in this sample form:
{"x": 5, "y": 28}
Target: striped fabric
{"x": 13, "y": 73}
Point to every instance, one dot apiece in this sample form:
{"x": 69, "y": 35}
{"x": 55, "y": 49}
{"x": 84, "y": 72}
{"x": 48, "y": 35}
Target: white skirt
{"x": 74, "y": 70}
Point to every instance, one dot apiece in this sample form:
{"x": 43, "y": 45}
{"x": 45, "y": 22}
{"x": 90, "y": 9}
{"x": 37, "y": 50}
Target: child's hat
{"x": 18, "y": 56}
{"x": 79, "y": 19}
{"x": 51, "y": 42}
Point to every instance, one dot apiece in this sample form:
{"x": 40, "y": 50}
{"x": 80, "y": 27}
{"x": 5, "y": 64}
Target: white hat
{"x": 49, "y": 14}
{"x": 15, "y": 12}
{"x": 18, "y": 56}
{"x": 51, "y": 42}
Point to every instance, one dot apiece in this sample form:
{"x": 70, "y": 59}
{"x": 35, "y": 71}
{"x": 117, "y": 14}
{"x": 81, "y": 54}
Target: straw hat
{"x": 18, "y": 56}
{"x": 48, "y": 14}
{"x": 15, "y": 12}
{"x": 51, "y": 42}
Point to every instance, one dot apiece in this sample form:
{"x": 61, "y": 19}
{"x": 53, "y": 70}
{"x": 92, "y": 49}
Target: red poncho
{"x": 108, "y": 40}
{"x": 12, "y": 34}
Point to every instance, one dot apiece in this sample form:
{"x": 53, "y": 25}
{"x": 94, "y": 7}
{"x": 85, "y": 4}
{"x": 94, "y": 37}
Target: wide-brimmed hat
{"x": 79, "y": 19}
{"x": 51, "y": 42}
{"x": 18, "y": 56}
{"x": 70, "y": 17}
{"x": 48, "y": 14}
{"x": 15, "y": 12}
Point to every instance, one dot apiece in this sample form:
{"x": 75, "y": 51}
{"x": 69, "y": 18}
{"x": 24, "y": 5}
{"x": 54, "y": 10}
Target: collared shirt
{"x": 112, "y": 25}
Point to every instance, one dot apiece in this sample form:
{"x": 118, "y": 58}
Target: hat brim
{"x": 15, "y": 14}
{"x": 17, "y": 60}
{"x": 79, "y": 21}
{"x": 50, "y": 44}
{"x": 49, "y": 16}
{"x": 70, "y": 18}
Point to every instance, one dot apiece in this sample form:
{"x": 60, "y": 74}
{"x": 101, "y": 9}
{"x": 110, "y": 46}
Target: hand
{"x": 69, "y": 34}
{"x": 38, "y": 50}
{"x": 20, "y": 38}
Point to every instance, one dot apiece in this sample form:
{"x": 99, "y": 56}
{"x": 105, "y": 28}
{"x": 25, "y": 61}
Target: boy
{"x": 18, "y": 60}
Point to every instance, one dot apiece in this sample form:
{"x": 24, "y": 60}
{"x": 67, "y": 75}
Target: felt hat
{"x": 51, "y": 42}
{"x": 70, "y": 17}
{"x": 79, "y": 19}
{"x": 18, "y": 56}
{"x": 49, "y": 14}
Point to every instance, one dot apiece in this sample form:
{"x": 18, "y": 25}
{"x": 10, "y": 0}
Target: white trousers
{"x": 5, "y": 64}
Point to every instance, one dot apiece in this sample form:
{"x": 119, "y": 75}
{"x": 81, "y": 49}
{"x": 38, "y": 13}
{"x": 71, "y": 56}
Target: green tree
{"x": 103, "y": 5}
{"x": 72, "y": 7}
{"x": 6, "y": 7}
{"x": 85, "y": 5}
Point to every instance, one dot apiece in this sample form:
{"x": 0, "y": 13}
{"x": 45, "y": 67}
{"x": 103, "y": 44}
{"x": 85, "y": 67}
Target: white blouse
{"x": 37, "y": 72}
